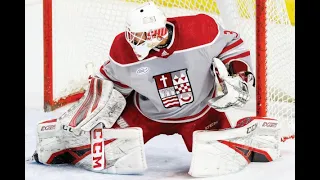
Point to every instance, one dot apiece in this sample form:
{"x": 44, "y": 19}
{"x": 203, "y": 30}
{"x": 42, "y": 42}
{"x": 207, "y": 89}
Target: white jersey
{"x": 174, "y": 84}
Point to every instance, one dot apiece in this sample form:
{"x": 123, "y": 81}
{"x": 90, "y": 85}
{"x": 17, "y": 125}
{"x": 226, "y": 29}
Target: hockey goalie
{"x": 162, "y": 77}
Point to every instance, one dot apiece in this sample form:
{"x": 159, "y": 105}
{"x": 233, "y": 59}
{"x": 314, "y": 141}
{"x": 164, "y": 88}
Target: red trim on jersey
{"x": 115, "y": 82}
{"x": 120, "y": 84}
{"x": 104, "y": 73}
{"x": 233, "y": 45}
{"x": 242, "y": 55}
{"x": 188, "y": 117}
{"x": 197, "y": 116}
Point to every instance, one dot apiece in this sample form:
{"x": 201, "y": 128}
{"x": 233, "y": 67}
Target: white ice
{"x": 167, "y": 156}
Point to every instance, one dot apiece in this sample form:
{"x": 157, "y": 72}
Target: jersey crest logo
{"x": 174, "y": 88}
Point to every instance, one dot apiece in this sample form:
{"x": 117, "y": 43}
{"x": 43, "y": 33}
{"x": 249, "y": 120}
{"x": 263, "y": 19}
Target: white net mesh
{"x": 239, "y": 15}
{"x": 83, "y": 31}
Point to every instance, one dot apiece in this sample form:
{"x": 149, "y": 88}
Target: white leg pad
{"x": 214, "y": 159}
{"x": 216, "y": 153}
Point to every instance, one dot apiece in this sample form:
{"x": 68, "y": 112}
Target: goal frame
{"x": 49, "y": 103}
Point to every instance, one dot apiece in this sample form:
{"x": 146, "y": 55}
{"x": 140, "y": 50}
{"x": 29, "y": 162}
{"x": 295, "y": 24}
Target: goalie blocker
{"x": 83, "y": 137}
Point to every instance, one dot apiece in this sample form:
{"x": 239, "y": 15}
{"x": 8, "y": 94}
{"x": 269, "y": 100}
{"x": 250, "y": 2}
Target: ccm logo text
{"x": 97, "y": 150}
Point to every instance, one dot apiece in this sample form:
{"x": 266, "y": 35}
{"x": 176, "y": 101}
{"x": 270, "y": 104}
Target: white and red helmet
{"x": 149, "y": 21}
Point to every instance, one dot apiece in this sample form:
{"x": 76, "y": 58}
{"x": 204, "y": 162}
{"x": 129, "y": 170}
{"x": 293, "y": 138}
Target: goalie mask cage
{"x": 79, "y": 33}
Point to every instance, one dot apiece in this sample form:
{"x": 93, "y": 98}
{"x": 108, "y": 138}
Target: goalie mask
{"x": 145, "y": 29}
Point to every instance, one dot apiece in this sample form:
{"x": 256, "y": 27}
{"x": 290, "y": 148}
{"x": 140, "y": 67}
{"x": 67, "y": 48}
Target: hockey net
{"x": 79, "y": 33}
